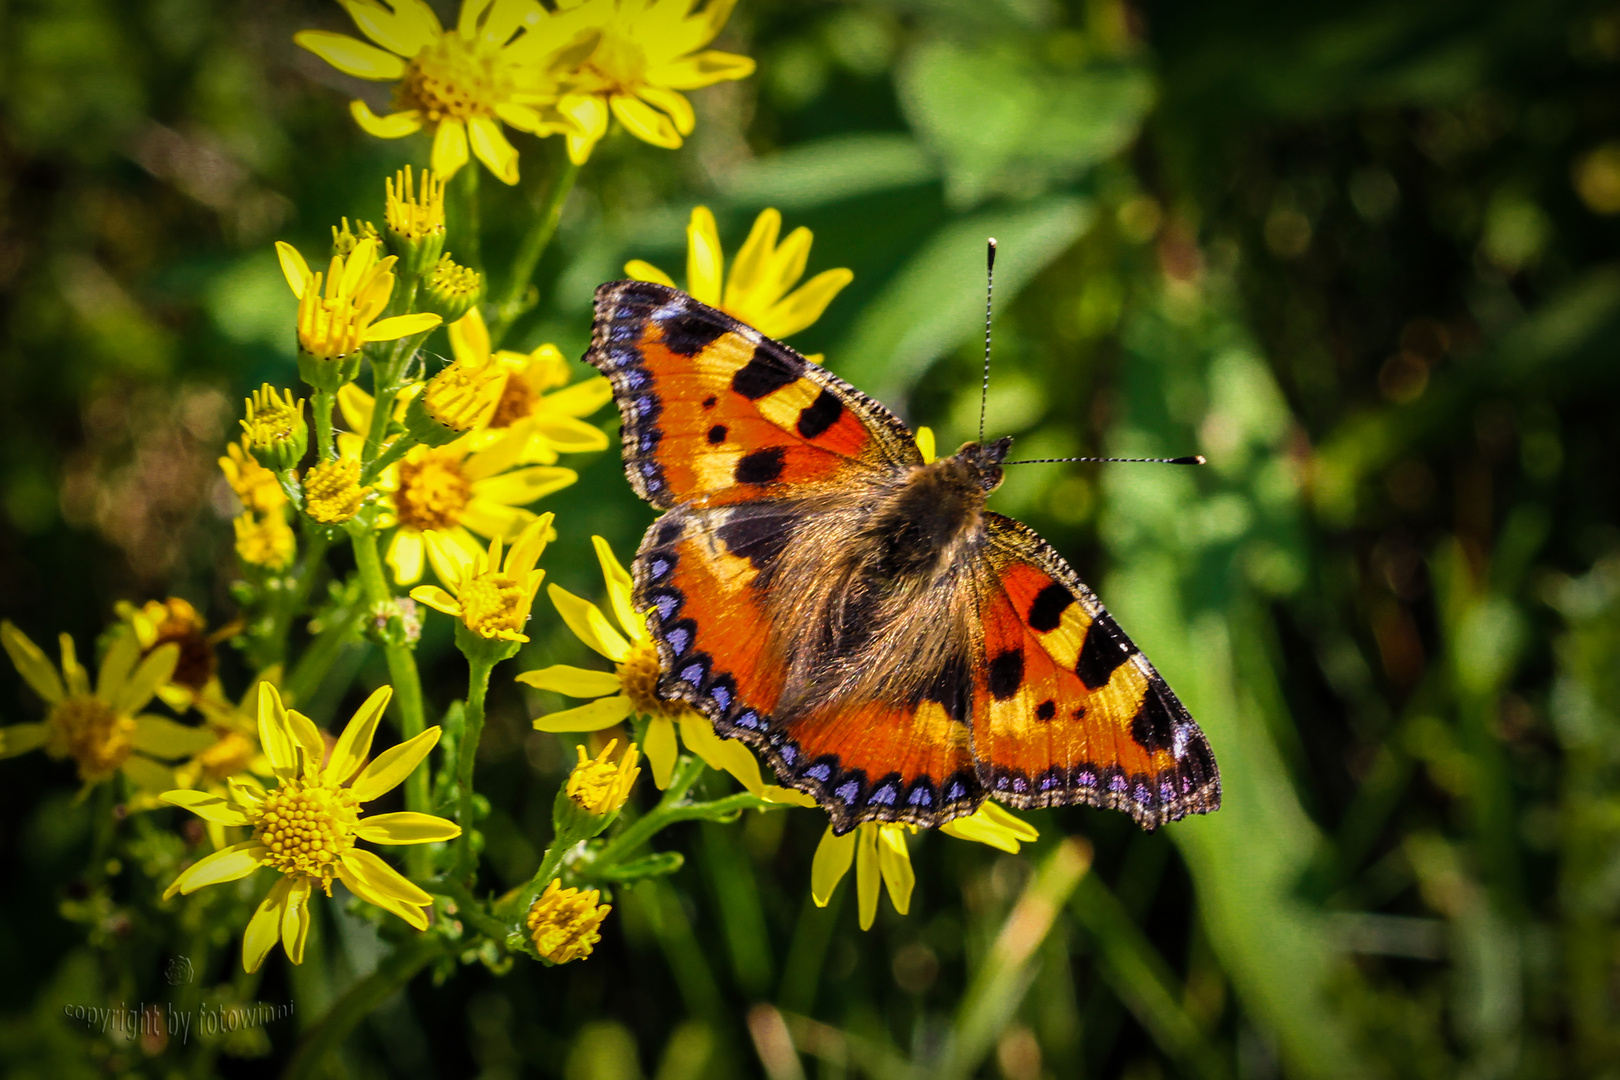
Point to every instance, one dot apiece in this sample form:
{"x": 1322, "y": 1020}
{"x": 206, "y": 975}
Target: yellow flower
{"x": 254, "y": 484}
{"x": 307, "y": 825}
{"x": 763, "y": 272}
{"x": 455, "y": 491}
{"x": 633, "y": 688}
{"x": 274, "y": 431}
{"x": 538, "y": 424}
{"x": 234, "y": 754}
{"x": 599, "y": 787}
{"x": 335, "y": 320}
{"x": 880, "y": 856}
{"x": 566, "y": 923}
{"x": 451, "y": 289}
{"x": 460, "y": 84}
{"x": 159, "y": 622}
{"x": 102, "y": 730}
{"x": 490, "y": 599}
{"x": 645, "y": 52}
{"x": 332, "y": 491}
{"x": 415, "y": 218}
{"x": 264, "y": 541}
{"x": 463, "y": 394}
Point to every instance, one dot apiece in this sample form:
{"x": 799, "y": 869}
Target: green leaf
{"x": 664, "y": 862}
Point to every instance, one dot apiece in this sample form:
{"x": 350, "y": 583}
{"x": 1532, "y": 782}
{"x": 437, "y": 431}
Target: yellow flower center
{"x": 232, "y": 754}
{"x": 566, "y": 923}
{"x": 618, "y": 63}
{"x": 91, "y": 732}
{"x": 305, "y": 828}
{"x": 433, "y": 491}
{"x": 451, "y": 80}
{"x": 639, "y": 677}
{"x": 517, "y": 401}
{"x": 412, "y": 215}
{"x": 492, "y": 603}
{"x": 332, "y": 491}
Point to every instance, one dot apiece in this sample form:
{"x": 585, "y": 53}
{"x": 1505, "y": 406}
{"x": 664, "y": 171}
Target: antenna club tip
{"x": 1196, "y": 459}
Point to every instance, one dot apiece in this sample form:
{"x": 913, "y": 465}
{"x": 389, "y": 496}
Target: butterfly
{"x": 854, "y": 613}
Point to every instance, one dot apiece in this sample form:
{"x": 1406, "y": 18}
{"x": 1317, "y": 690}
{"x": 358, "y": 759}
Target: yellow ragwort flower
{"x": 265, "y": 541}
{"x": 492, "y": 600}
{"x": 536, "y": 418}
{"x": 880, "y": 855}
{"x": 462, "y": 396}
{"x": 339, "y": 316}
{"x": 646, "y": 52}
{"x": 160, "y": 622}
{"x": 598, "y": 786}
{"x": 451, "y": 289}
{"x": 414, "y": 214}
{"x": 101, "y": 729}
{"x": 496, "y": 66}
{"x": 255, "y": 485}
{"x": 306, "y": 826}
{"x": 764, "y": 271}
{"x": 274, "y": 431}
{"x": 632, "y": 688}
{"x": 566, "y": 923}
{"x": 332, "y": 491}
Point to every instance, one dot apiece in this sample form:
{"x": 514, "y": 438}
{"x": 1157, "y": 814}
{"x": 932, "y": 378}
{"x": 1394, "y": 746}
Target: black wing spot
{"x": 820, "y": 414}
{"x": 1046, "y": 709}
{"x": 953, "y": 688}
{"x": 761, "y": 466}
{"x": 688, "y": 333}
{"x": 717, "y": 434}
{"x": 1153, "y": 727}
{"x": 1046, "y": 613}
{"x": 710, "y": 401}
{"x": 759, "y": 538}
{"x": 1106, "y": 647}
{"x": 766, "y": 372}
{"x": 1006, "y": 674}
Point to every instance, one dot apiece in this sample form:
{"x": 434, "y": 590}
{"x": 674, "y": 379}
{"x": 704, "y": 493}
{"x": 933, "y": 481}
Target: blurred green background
{"x": 1361, "y": 255}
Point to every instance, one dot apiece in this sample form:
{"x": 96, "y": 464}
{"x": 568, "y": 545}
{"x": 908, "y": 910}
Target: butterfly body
{"x": 856, "y": 613}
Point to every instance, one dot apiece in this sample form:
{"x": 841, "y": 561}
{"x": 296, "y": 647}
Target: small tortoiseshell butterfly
{"x": 856, "y": 614}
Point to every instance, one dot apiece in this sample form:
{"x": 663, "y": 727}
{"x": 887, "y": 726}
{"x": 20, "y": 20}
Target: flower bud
{"x": 565, "y": 924}
{"x": 344, "y": 239}
{"x": 593, "y": 794}
{"x": 277, "y": 435}
{"x": 415, "y": 220}
{"x": 456, "y": 400}
{"x": 452, "y": 289}
{"x": 332, "y": 491}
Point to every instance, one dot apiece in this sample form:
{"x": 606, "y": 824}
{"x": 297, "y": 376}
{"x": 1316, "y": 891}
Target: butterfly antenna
{"x": 989, "y": 292}
{"x": 1196, "y": 459}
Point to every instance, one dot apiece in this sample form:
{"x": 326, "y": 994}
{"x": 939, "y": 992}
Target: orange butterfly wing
{"x": 714, "y": 412}
{"x": 1066, "y": 709}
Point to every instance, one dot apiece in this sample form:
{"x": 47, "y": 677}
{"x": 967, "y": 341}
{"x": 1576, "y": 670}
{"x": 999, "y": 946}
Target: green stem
{"x": 316, "y": 660}
{"x": 547, "y": 213}
{"x": 401, "y": 672}
{"x": 467, "y": 758}
{"x": 668, "y": 810}
{"x": 323, "y": 402}
{"x": 472, "y": 911}
{"x": 361, "y": 999}
{"x": 467, "y": 233}
{"x": 291, "y": 601}
{"x": 398, "y": 449}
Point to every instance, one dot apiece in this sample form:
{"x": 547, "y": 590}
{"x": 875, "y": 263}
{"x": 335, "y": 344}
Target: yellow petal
{"x": 619, "y": 587}
{"x": 590, "y": 114}
{"x": 73, "y": 674}
{"x": 704, "y": 69}
{"x": 152, "y": 673}
{"x": 646, "y": 271}
{"x": 827, "y": 869}
{"x": 894, "y": 860}
{"x": 786, "y": 796}
{"x": 401, "y": 326}
{"x": 868, "y": 875}
{"x": 227, "y": 864}
{"x": 588, "y": 623}
{"x": 925, "y": 443}
{"x": 568, "y": 435}
{"x": 449, "y": 558}
{"x": 264, "y": 929}
{"x": 581, "y": 399}
{"x": 645, "y": 122}
{"x": 748, "y": 272}
{"x": 661, "y": 750}
{"x": 354, "y": 745}
{"x": 490, "y": 144}
{"x": 469, "y": 339}
{"x": 165, "y": 738}
{"x": 356, "y": 406}
{"x": 449, "y": 148}
{"x": 523, "y": 486}
{"x": 375, "y": 882}
{"x": 592, "y": 716}
{"x": 274, "y": 735}
{"x": 393, "y": 126}
{"x": 728, "y": 755}
{"x": 406, "y": 827}
{"x": 293, "y": 267}
{"x": 390, "y": 768}
{"x": 705, "y": 260}
{"x": 405, "y": 556}
{"x": 206, "y": 806}
{"x": 805, "y": 305}
{"x": 151, "y": 777}
{"x": 31, "y": 663}
{"x": 437, "y": 599}
{"x": 116, "y": 665}
{"x": 573, "y": 681}
{"x": 307, "y": 737}
{"x": 408, "y": 29}
{"x": 350, "y": 55}
{"x": 21, "y": 738}
{"x": 295, "y": 919}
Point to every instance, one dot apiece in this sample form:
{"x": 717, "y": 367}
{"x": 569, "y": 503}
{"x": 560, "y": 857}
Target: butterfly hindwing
{"x": 1066, "y": 708}
{"x": 718, "y": 413}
